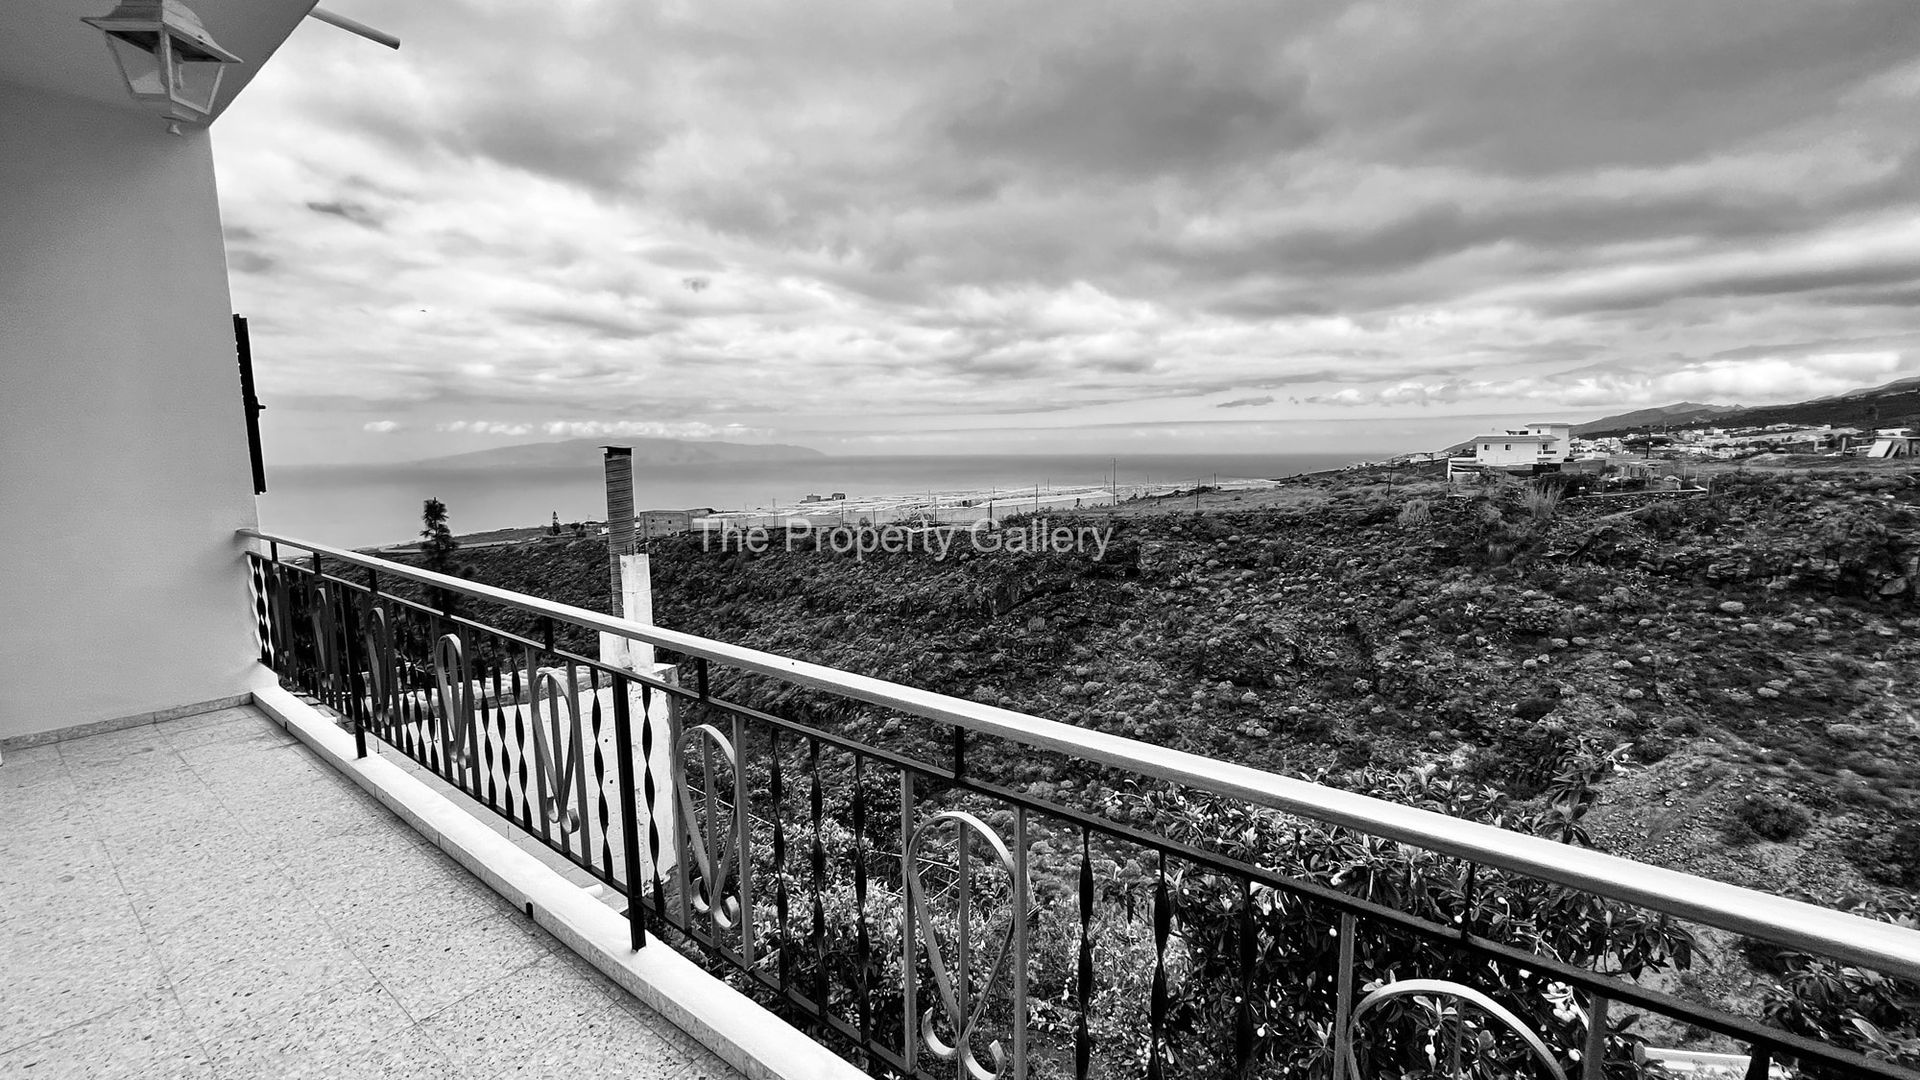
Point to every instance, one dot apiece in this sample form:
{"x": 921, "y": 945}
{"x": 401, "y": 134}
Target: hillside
{"x": 1883, "y": 388}
{"x": 1896, "y": 404}
{"x": 586, "y": 454}
{"x": 1678, "y": 414}
{"x": 1728, "y": 680}
{"x": 1756, "y": 651}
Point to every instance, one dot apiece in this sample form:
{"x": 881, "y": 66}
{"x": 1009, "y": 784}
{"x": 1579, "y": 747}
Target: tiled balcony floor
{"x": 205, "y": 898}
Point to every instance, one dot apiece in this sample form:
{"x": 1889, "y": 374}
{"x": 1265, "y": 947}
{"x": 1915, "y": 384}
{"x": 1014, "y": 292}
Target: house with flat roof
{"x": 1894, "y": 443}
{"x": 1533, "y": 448}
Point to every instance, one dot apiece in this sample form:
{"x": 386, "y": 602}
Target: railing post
{"x": 629, "y": 816}
{"x": 1021, "y": 901}
{"x": 743, "y": 839}
{"x": 377, "y": 678}
{"x": 1343, "y": 1057}
{"x": 909, "y": 944}
{"x": 361, "y": 711}
{"x": 1593, "y": 1060}
{"x": 277, "y": 614}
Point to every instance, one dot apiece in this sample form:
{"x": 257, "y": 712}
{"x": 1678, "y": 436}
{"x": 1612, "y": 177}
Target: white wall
{"x": 1499, "y": 451}
{"x": 1561, "y": 449}
{"x": 123, "y": 455}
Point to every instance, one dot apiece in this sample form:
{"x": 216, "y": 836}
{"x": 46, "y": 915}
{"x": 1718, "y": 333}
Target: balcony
{"x": 919, "y": 917}
{"x": 592, "y": 859}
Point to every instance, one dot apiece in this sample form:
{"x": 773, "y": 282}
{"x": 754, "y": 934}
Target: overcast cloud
{"x": 885, "y": 226}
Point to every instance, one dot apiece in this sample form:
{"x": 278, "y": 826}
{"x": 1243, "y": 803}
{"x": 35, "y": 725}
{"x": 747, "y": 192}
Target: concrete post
{"x": 632, "y": 594}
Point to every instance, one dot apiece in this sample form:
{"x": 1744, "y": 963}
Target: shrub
{"x": 1541, "y": 502}
{"x": 1767, "y": 816}
{"x": 1416, "y": 512}
{"x": 1661, "y": 518}
{"x": 1534, "y": 708}
{"x": 1292, "y": 1017}
{"x": 1847, "y": 1006}
{"x": 1891, "y": 858}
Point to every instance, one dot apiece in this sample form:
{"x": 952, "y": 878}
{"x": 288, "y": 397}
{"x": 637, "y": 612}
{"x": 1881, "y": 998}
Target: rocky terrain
{"x": 1739, "y": 666}
{"x": 1754, "y": 649}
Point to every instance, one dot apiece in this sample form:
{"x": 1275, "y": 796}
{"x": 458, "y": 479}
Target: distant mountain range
{"x": 1678, "y": 414}
{"x": 1894, "y": 387}
{"x": 1895, "y": 404}
{"x": 586, "y": 453}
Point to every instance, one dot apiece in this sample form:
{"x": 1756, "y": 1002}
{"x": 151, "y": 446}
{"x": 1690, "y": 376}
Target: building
{"x": 122, "y": 436}
{"x": 1894, "y": 443}
{"x": 1786, "y": 438}
{"x": 1540, "y": 447}
{"x": 652, "y": 523}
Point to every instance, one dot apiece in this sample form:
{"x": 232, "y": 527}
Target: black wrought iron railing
{"x": 838, "y": 846}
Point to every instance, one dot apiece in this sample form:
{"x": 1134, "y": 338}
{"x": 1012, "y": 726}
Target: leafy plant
{"x": 1293, "y": 1016}
{"x": 1848, "y": 1006}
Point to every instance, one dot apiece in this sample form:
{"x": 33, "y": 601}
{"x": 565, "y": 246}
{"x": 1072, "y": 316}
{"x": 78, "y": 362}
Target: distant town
{"x": 1552, "y": 447}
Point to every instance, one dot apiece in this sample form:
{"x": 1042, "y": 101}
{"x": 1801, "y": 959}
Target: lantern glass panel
{"x": 195, "y": 83}
{"x": 138, "y": 62}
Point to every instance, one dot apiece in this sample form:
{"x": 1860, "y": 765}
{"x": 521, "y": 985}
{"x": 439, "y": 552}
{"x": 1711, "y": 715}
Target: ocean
{"x": 368, "y": 505}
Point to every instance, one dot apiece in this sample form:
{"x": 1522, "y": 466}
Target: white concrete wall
{"x": 1561, "y": 449}
{"x": 1505, "y": 451}
{"x": 123, "y": 455}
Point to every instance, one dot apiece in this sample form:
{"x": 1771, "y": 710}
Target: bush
{"x": 1416, "y": 512}
{"x": 1661, "y": 517}
{"x": 1535, "y": 707}
{"x": 1851, "y": 1007}
{"x": 1541, "y": 502}
{"x": 1767, "y": 816}
{"x": 1292, "y": 1016}
{"x": 1891, "y": 858}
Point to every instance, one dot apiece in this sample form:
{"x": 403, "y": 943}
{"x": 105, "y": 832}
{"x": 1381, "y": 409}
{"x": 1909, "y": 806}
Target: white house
{"x": 1517, "y": 449}
{"x": 1511, "y": 449}
{"x": 1561, "y": 448}
{"x": 1894, "y": 443}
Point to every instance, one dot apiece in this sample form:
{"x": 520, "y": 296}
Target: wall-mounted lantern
{"x": 168, "y": 58}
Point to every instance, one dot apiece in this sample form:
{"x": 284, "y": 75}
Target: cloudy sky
{"x": 1101, "y": 225}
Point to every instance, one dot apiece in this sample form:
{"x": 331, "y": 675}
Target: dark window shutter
{"x": 249, "y": 403}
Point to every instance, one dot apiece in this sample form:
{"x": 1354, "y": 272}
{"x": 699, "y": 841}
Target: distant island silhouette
{"x": 585, "y": 453}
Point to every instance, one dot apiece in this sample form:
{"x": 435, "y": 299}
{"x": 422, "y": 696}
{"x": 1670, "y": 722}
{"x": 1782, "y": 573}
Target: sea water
{"x": 367, "y": 505}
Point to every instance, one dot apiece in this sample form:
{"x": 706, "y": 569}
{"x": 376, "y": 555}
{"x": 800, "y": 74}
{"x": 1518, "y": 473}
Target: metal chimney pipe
{"x": 354, "y": 26}
{"x": 619, "y": 464}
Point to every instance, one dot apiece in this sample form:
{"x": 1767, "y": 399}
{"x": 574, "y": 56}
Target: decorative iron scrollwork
{"x": 1447, "y": 989}
{"x": 712, "y": 848}
{"x": 556, "y": 772}
{"x": 322, "y": 640}
{"x": 333, "y": 680}
{"x": 378, "y": 638}
{"x": 454, "y": 684}
{"x": 952, "y": 984}
{"x": 259, "y": 592}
